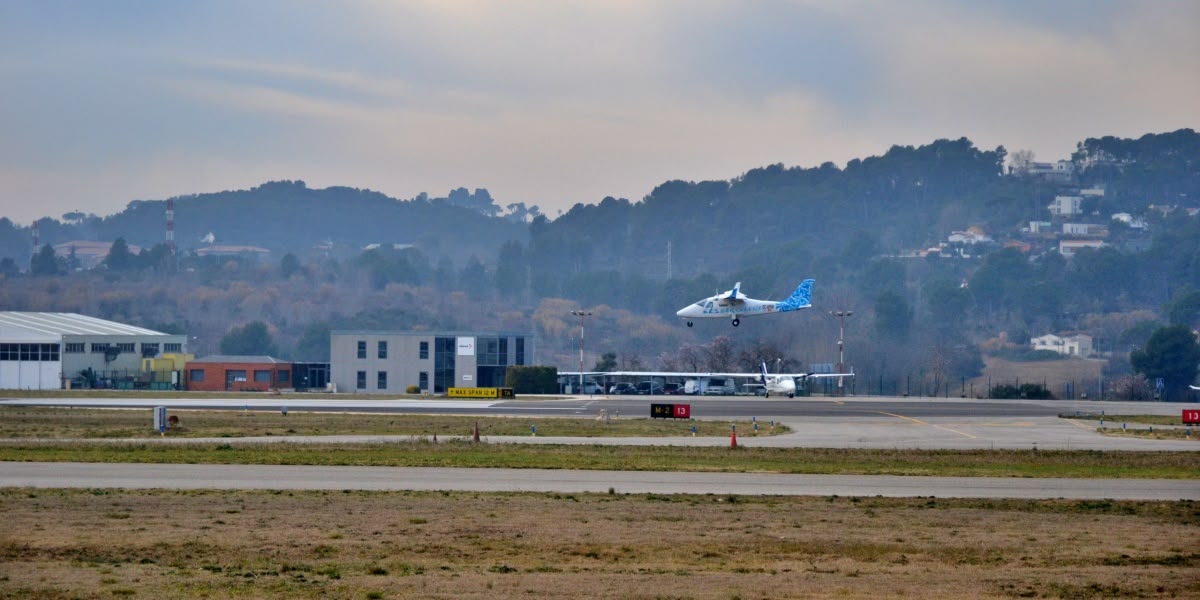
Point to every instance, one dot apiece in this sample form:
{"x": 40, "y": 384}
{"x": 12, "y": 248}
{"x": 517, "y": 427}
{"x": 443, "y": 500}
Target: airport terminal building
{"x": 388, "y": 362}
{"x": 45, "y": 351}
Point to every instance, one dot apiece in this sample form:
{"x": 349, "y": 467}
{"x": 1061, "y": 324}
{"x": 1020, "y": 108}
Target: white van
{"x": 719, "y": 386}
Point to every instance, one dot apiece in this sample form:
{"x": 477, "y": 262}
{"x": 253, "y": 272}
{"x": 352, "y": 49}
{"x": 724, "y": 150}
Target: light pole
{"x": 582, "y": 314}
{"x": 841, "y": 316}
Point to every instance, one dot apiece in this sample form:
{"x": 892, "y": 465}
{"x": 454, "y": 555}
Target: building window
{"x": 172, "y": 347}
{"x": 235, "y": 375}
{"x": 99, "y": 348}
{"x": 262, "y": 376}
{"x": 424, "y": 351}
{"x": 149, "y": 350}
{"x": 382, "y": 349}
{"x": 362, "y": 348}
{"x": 196, "y": 375}
{"x": 283, "y": 376}
{"x": 73, "y": 348}
{"x": 520, "y": 358}
{"x": 423, "y": 381}
{"x": 381, "y": 380}
{"x": 362, "y": 380}
{"x": 30, "y": 352}
{"x": 123, "y": 347}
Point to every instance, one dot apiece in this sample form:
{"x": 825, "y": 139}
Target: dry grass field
{"x": 1055, "y": 374}
{"x": 215, "y": 544}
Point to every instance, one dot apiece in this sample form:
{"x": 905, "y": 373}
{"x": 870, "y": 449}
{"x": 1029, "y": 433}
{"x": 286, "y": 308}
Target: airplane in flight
{"x": 734, "y": 304}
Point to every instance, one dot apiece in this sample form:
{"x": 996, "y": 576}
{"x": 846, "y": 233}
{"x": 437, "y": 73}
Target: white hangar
{"x": 42, "y": 351}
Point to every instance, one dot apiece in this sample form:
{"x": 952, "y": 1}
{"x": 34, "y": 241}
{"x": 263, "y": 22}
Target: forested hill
{"x": 774, "y": 218}
{"x": 287, "y": 216}
{"x": 907, "y": 198}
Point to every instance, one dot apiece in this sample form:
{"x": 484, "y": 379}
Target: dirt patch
{"x": 160, "y": 544}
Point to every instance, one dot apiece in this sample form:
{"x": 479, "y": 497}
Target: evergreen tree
{"x": 1173, "y": 355}
{"x": 45, "y": 262}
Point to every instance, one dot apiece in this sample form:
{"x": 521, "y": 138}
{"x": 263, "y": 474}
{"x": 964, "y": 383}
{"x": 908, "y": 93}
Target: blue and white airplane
{"x": 734, "y": 303}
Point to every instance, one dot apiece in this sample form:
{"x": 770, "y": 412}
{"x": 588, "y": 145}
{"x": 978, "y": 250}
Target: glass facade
{"x": 443, "y": 364}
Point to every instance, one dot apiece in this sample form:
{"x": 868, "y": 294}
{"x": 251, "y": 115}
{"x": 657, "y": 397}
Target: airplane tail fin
{"x": 801, "y": 298}
{"x": 763, "y": 367}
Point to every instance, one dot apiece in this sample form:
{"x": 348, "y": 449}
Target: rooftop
{"x": 28, "y": 324}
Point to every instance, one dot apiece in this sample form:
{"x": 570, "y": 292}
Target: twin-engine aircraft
{"x": 786, "y": 383}
{"x": 734, "y": 303}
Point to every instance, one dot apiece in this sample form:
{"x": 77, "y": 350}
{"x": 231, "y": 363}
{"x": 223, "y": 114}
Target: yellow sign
{"x": 480, "y": 392}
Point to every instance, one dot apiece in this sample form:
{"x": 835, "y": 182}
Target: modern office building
{"x": 389, "y": 362}
{"x": 44, "y": 351}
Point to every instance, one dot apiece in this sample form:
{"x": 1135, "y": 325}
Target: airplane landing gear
{"x": 689, "y": 323}
{"x": 736, "y": 321}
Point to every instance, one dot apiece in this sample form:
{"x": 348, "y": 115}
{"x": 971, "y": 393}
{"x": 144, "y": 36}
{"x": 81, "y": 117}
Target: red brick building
{"x": 220, "y": 373}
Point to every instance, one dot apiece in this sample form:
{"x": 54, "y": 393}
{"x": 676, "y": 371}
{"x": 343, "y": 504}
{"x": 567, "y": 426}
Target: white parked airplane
{"x": 734, "y": 304}
{"x": 780, "y": 383}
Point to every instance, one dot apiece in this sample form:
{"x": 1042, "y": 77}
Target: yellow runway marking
{"x": 920, "y": 422}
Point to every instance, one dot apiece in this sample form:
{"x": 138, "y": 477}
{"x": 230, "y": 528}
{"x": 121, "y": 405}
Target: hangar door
{"x": 30, "y": 367}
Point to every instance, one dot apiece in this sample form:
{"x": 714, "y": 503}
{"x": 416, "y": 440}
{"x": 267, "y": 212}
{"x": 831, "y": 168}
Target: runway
{"x": 142, "y": 476}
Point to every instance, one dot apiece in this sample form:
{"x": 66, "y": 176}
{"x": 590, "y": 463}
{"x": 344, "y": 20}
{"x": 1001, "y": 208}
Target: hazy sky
{"x": 554, "y": 102}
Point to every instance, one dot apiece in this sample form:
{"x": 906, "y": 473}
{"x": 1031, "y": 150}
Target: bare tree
{"x": 720, "y": 354}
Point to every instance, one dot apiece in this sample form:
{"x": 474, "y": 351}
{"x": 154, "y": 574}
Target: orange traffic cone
{"x": 733, "y": 438}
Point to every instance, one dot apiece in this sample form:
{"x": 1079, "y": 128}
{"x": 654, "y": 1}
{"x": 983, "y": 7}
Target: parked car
{"x": 652, "y": 388}
{"x": 627, "y": 389}
{"x": 719, "y": 386}
{"x": 672, "y": 389}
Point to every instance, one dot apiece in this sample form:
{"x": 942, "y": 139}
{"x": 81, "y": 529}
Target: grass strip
{"x": 417, "y": 453}
{"x": 92, "y": 423}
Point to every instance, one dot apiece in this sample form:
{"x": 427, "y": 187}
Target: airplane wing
{"x": 733, "y": 298}
{"x": 1194, "y": 387}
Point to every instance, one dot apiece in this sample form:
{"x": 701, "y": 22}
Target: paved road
{"x": 86, "y": 475}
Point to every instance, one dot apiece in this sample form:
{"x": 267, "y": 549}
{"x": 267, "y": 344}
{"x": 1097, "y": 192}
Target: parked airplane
{"x": 703, "y": 383}
{"x": 734, "y": 304}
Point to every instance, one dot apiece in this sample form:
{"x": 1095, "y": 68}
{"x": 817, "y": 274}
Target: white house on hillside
{"x": 1074, "y": 345}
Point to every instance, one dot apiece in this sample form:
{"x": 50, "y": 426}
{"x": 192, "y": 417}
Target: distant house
{"x": 1130, "y": 220}
{"x": 973, "y": 235}
{"x": 88, "y": 255}
{"x": 1066, "y": 206}
{"x": 231, "y": 251}
{"x": 1085, "y": 229}
{"x": 1073, "y": 345}
{"x": 1068, "y": 248}
{"x": 1040, "y": 226}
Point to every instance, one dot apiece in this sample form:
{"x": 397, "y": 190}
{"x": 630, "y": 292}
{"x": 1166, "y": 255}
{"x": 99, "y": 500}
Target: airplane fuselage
{"x": 713, "y": 308}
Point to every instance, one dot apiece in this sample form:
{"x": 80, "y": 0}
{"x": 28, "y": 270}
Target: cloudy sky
{"x": 554, "y": 102}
